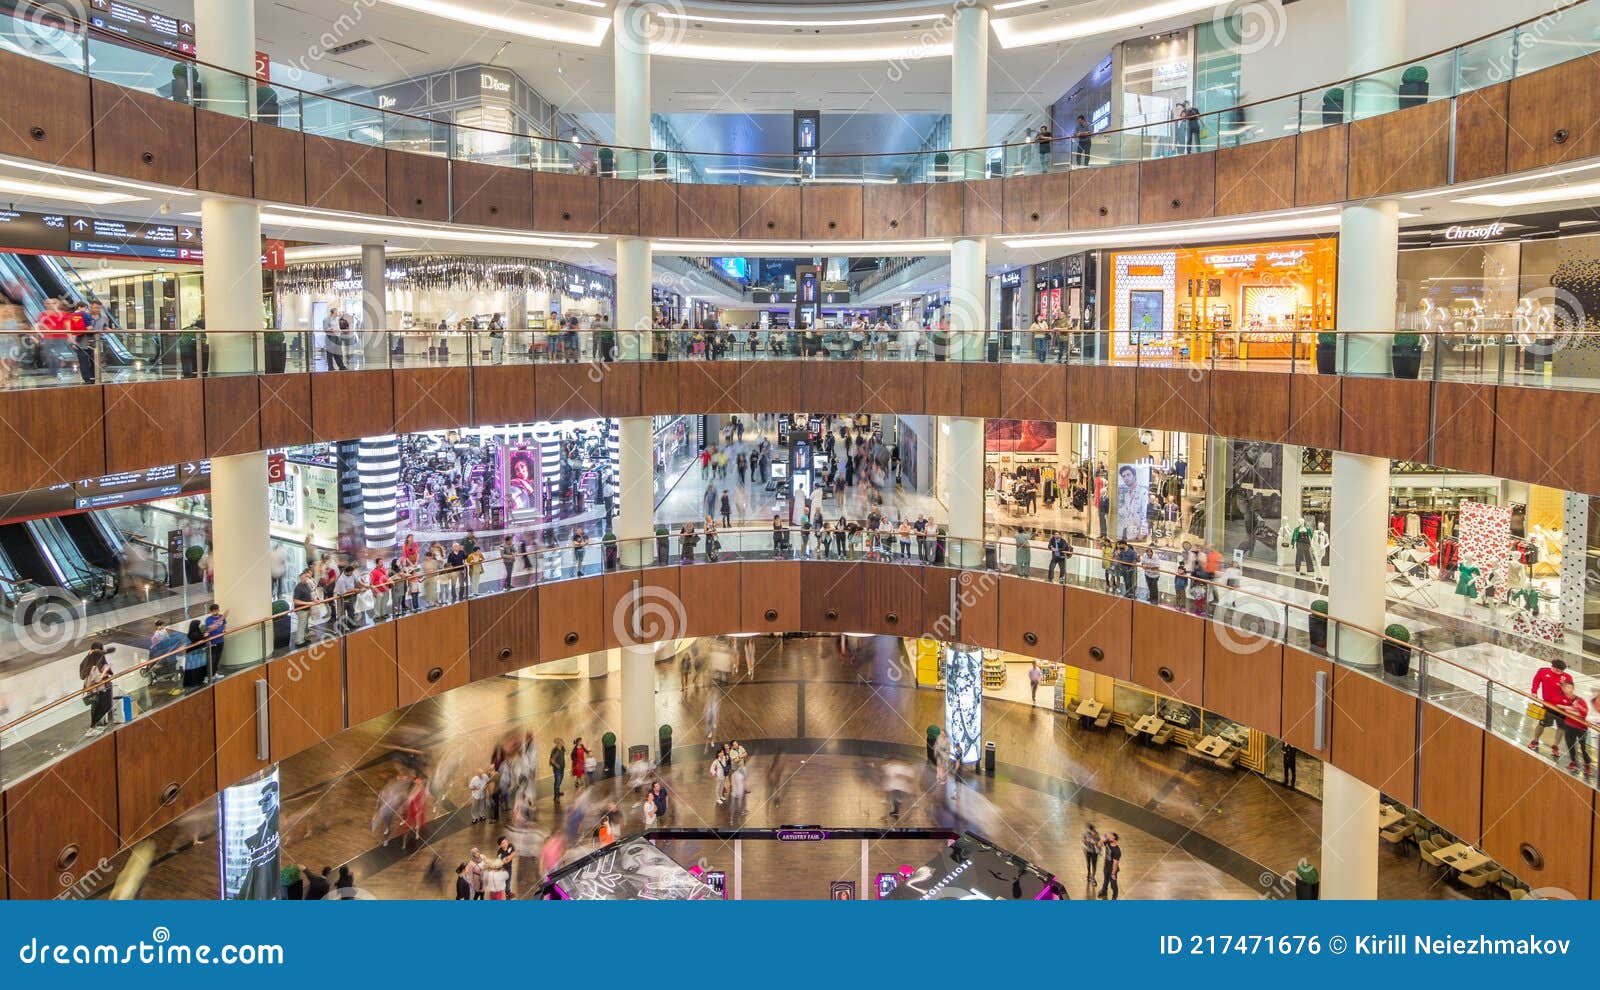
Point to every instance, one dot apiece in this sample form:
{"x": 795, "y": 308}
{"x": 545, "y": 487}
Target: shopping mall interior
{"x": 596, "y": 449}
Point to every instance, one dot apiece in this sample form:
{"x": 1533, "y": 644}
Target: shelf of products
{"x": 994, "y": 669}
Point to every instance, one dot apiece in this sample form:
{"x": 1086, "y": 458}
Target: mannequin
{"x": 1320, "y": 541}
{"x": 1467, "y": 582}
{"x": 1301, "y": 538}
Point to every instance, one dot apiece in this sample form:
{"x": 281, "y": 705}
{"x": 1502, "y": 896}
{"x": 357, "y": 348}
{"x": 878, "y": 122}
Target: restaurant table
{"x": 1087, "y": 711}
{"x": 1149, "y": 725}
{"x": 1462, "y": 857}
{"x": 1213, "y": 746}
{"x": 1388, "y": 814}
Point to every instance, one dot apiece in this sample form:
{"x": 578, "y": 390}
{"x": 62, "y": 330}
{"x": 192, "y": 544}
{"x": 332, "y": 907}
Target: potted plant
{"x": 1317, "y": 623}
{"x": 275, "y": 351}
{"x": 933, "y": 739}
{"x": 281, "y": 631}
{"x": 608, "y": 163}
{"x": 191, "y": 565}
{"x": 609, "y": 543}
{"x": 659, "y": 161}
{"x": 1397, "y": 650}
{"x": 941, "y": 167}
{"x": 664, "y": 738}
{"x": 1405, "y": 355}
{"x": 1414, "y": 86}
{"x": 608, "y": 748}
{"x": 1333, "y": 107}
{"x": 1327, "y": 353}
{"x": 663, "y": 545}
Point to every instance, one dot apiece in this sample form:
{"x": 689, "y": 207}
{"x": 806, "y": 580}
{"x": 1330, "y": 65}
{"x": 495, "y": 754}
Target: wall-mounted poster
{"x": 520, "y": 472}
{"x": 1146, "y": 314}
{"x": 247, "y": 819}
{"x": 1019, "y": 436}
{"x": 842, "y": 890}
{"x": 1133, "y": 501}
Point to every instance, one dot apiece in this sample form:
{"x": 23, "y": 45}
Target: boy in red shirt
{"x": 1547, "y": 687}
{"x": 1575, "y": 726}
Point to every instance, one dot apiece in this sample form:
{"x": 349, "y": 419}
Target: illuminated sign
{"x": 1474, "y": 232}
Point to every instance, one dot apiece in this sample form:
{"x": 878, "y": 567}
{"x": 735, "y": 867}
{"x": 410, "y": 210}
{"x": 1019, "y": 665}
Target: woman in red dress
{"x": 416, "y": 814}
{"x": 580, "y": 756}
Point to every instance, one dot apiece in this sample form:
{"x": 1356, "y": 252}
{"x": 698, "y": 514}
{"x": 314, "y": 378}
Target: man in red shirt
{"x": 1548, "y": 688}
{"x": 54, "y": 326}
{"x": 1575, "y": 727}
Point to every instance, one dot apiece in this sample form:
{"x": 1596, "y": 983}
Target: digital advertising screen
{"x": 1133, "y": 501}
{"x": 247, "y": 821}
{"x": 519, "y": 474}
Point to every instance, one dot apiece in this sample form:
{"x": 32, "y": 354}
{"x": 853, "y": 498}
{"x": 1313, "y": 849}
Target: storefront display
{"x": 304, "y": 506}
{"x": 1248, "y": 301}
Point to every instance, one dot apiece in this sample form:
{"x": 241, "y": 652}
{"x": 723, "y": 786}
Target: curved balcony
{"x": 1481, "y": 403}
{"x": 1508, "y": 102}
{"x": 1442, "y": 737}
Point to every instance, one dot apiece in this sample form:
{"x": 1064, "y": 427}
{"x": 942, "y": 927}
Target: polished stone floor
{"x": 822, "y": 732}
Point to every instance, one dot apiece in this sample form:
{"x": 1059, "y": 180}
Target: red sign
{"x": 263, "y": 67}
{"x": 273, "y": 256}
{"x": 277, "y": 468}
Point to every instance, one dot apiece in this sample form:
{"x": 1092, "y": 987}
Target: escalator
{"x": 89, "y": 534}
{"x": 32, "y": 278}
{"x": 67, "y": 562}
{"x": 26, "y": 563}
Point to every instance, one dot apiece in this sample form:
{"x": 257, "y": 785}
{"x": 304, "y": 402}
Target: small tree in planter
{"x": 1317, "y": 624}
{"x": 664, "y": 737}
{"x": 191, "y": 565}
{"x": 663, "y": 545}
{"x": 933, "y": 739}
{"x": 1405, "y": 355}
{"x": 1327, "y": 353}
{"x": 1397, "y": 650}
{"x": 281, "y": 631}
{"x": 609, "y": 542}
{"x": 608, "y": 748}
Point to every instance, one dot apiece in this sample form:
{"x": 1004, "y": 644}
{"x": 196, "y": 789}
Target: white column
{"x": 969, "y": 299}
{"x": 1349, "y": 837}
{"x": 963, "y": 474}
{"x": 636, "y": 492}
{"x": 969, "y": 87}
{"x": 1369, "y": 253}
{"x": 225, "y": 36}
{"x": 1374, "y": 39}
{"x": 638, "y": 700}
{"x": 1357, "y": 555}
{"x": 633, "y": 298}
{"x": 630, "y": 45}
{"x": 1574, "y": 560}
{"x": 374, "y": 311}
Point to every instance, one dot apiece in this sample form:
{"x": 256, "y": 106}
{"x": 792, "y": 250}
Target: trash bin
{"x": 1307, "y": 882}
{"x": 988, "y": 758}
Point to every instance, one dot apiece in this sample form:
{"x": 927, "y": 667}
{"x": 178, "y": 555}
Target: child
{"x": 1197, "y": 598}
{"x": 1180, "y": 586}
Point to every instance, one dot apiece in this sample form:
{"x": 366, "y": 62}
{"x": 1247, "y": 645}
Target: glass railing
{"x": 1478, "y": 692}
{"x": 1565, "y": 33}
{"x": 1568, "y": 360}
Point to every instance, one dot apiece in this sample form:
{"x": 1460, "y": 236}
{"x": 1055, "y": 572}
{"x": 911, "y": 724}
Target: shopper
{"x": 305, "y": 599}
{"x": 558, "y": 764}
{"x": 216, "y": 627}
{"x": 1152, "y": 575}
{"x": 1043, "y": 139}
{"x": 1113, "y": 867}
{"x": 1082, "y": 135}
{"x": 1549, "y": 687}
{"x": 1060, "y": 550}
{"x": 1575, "y": 728}
{"x": 1290, "y": 757}
{"x": 1091, "y": 852}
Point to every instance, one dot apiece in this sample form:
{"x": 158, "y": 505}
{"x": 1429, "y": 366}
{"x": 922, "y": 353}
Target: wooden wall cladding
{"x": 1105, "y": 197}
{"x": 1315, "y": 412}
{"x": 154, "y": 423}
{"x": 1244, "y": 676}
{"x": 945, "y": 203}
{"x": 417, "y": 187}
{"x": 1481, "y": 133}
{"x": 707, "y": 591}
{"x": 896, "y": 211}
{"x": 62, "y": 821}
{"x": 1322, "y": 159}
{"x": 982, "y": 207}
{"x": 1451, "y": 777}
{"x": 980, "y": 390}
{"x": 1032, "y": 618}
{"x": 768, "y": 386}
{"x": 222, "y": 145}
{"x": 1250, "y": 405}
{"x": 166, "y": 764}
{"x": 1253, "y": 178}
{"x": 278, "y": 163}
{"x": 708, "y": 211}
{"x": 285, "y": 409}
{"x": 307, "y": 698}
{"x": 1463, "y": 426}
{"x": 830, "y": 597}
{"x": 1182, "y": 187}
{"x": 51, "y": 436}
{"x": 979, "y": 596}
{"x": 1529, "y": 802}
{"x": 350, "y": 404}
{"x": 1036, "y": 204}
{"x": 1032, "y": 391}
{"x": 768, "y": 595}
{"x": 709, "y": 386}
{"x": 432, "y": 649}
{"x": 1527, "y": 449}
{"x": 1102, "y": 394}
{"x": 1545, "y": 124}
{"x": 1174, "y": 399}
{"x": 432, "y": 399}
{"x": 769, "y": 212}
{"x": 619, "y": 389}
{"x": 371, "y": 673}
{"x": 491, "y": 195}
{"x": 1099, "y": 633}
{"x": 566, "y": 391}
{"x": 839, "y": 388}
{"x": 619, "y": 207}
{"x": 502, "y": 394}
{"x": 941, "y": 389}
{"x": 142, "y": 136}
{"x": 831, "y": 213}
{"x": 234, "y": 716}
{"x": 343, "y": 175}
{"x": 659, "y": 611}
{"x": 1169, "y": 652}
{"x": 232, "y": 406}
{"x": 1375, "y": 733}
{"x": 891, "y": 599}
{"x": 571, "y": 621}
{"x": 503, "y": 634}
{"x": 1299, "y": 709}
{"x": 658, "y": 388}
{"x": 1385, "y": 417}
{"x": 658, "y": 209}
{"x": 890, "y": 385}
{"x": 44, "y": 112}
{"x": 1401, "y": 151}
{"x": 565, "y": 204}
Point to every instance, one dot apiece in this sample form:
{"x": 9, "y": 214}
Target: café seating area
{"x": 1451, "y": 859}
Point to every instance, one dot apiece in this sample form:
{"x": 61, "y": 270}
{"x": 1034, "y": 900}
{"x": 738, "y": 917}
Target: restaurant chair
{"x": 1163, "y": 737}
{"x": 1518, "y": 893}
{"x": 1103, "y": 721}
{"x": 1426, "y": 849}
{"x": 1480, "y": 878}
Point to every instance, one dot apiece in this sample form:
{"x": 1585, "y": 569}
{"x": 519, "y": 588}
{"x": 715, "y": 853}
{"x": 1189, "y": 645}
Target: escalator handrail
{"x": 83, "y": 573}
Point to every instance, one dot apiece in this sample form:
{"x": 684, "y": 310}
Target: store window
{"x": 1156, "y": 76}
